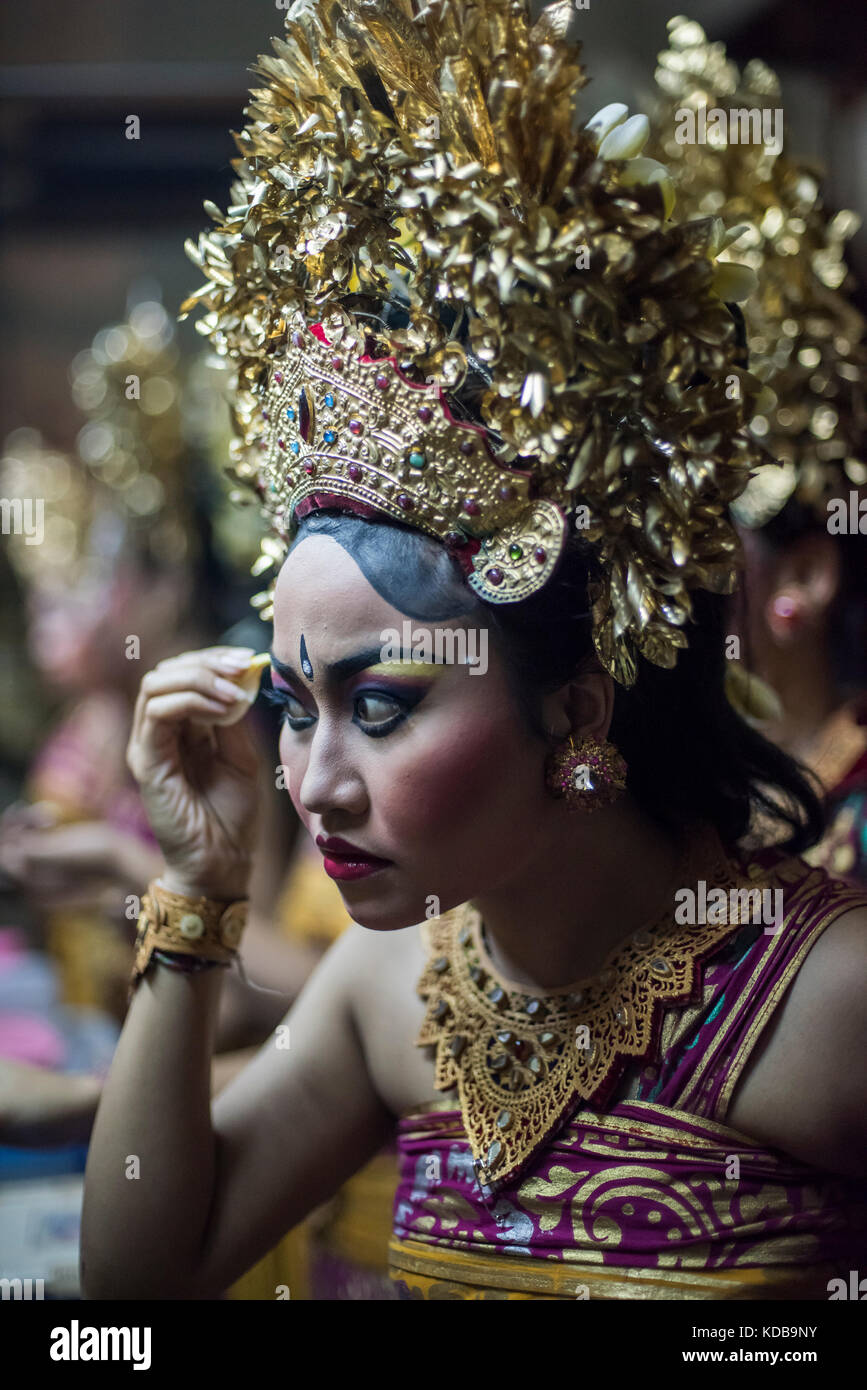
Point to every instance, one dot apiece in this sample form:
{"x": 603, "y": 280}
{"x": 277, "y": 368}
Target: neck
{"x": 592, "y": 882}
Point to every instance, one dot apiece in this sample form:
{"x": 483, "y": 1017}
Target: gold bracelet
{"x": 199, "y": 927}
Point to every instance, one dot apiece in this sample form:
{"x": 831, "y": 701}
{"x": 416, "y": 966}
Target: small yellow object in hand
{"x": 248, "y": 683}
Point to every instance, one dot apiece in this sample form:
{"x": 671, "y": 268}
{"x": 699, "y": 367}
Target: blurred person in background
{"x": 801, "y": 611}
{"x": 123, "y": 577}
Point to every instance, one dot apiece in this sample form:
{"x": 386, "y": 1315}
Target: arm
{"x": 219, "y": 1187}
{"x": 178, "y": 1203}
{"x": 804, "y": 1089}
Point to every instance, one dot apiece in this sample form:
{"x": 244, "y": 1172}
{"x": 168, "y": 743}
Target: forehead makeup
{"x": 363, "y": 661}
{"x": 305, "y": 660}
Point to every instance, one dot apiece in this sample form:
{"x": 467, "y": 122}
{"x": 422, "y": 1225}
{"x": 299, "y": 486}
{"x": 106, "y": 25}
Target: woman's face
{"x": 427, "y": 766}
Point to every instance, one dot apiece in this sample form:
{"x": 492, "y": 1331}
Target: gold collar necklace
{"x": 523, "y": 1062}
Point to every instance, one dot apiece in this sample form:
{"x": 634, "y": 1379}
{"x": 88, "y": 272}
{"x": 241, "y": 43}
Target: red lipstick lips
{"x": 341, "y": 860}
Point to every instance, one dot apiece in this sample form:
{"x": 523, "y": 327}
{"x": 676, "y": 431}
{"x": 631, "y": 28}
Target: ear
{"x": 584, "y": 706}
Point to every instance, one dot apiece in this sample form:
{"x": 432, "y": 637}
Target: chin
{"x": 381, "y": 915}
{"x": 388, "y": 912}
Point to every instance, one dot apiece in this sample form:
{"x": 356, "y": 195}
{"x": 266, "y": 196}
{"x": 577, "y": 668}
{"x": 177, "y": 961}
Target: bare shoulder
{"x": 805, "y": 1087}
{"x": 385, "y": 968}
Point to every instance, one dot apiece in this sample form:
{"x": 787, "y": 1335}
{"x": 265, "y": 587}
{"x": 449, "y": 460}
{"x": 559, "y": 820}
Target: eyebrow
{"x": 339, "y": 670}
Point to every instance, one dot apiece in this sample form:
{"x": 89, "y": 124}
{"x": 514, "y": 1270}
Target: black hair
{"x": 690, "y": 756}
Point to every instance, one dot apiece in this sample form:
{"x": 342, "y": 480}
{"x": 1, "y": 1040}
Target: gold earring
{"x": 589, "y": 775}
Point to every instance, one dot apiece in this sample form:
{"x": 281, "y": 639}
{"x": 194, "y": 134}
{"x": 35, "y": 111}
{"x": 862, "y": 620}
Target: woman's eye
{"x": 291, "y": 710}
{"x": 377, "y": 715}
{"x": 376, "y": 709}
{"x": 294, "y": 708}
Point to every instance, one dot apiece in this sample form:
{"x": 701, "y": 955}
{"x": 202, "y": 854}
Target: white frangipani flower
{"x": 644, "y": 170}
{"x": 626, "y": 140}
{"x": 606, "y": 119}
{"x": 622, "y": 137}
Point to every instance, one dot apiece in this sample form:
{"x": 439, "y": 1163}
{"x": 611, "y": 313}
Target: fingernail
{"x": 226, "y": 688}
{"x": 234, "y": 663}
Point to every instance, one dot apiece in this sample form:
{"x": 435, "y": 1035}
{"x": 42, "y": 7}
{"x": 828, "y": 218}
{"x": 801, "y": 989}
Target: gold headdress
{"x": 806, "y": 339}
{"x": 124, "y": 485}
{"x": 129, "y": 384}
{"x": 56, "y": 497}
{"x": 436, "y": 161}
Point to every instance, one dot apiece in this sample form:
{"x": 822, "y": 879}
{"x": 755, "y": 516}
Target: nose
{"x": 330, "y": 781}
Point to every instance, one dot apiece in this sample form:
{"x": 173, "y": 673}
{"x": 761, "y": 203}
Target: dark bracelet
{"x": 187, "y": 964}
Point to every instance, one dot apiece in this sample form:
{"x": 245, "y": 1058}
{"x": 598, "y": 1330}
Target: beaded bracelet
{"x": 186, "y": 964}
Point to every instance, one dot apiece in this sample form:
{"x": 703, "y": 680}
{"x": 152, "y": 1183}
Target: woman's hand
{"x": 81, "y": 860}
{"x": 197, "y": 778}
{"x": 39, "y": 1107}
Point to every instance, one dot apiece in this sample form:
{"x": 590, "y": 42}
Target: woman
{"x": 803, "y": 611}
{"x": 584, "y": 1032}
{"x": 802, "y": 608}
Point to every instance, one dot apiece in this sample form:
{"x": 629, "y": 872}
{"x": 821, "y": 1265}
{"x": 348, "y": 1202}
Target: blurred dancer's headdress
{"x": 125, "y": 485}
{"x": 419, "y": 210}
{"x": 806, "y": 339}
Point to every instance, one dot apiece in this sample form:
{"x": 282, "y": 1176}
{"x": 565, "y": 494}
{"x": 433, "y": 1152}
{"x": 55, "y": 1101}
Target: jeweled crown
{"x": 338, "y": 422}
{"x": 433, "y": 158}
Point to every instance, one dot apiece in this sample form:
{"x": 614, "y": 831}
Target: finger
{"x": 162, "y": 718}
{"x": 231, "y": 657}
{"x": 192, "y": 677}
{"x": 176, "y": 707}
{"x": 188, "y": 670}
